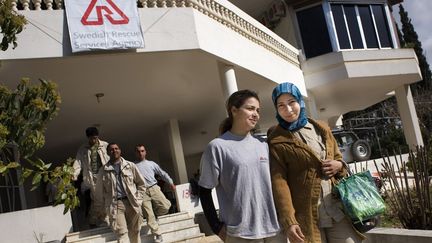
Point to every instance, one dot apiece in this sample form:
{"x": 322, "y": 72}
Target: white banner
{"x": 103, "y": 24}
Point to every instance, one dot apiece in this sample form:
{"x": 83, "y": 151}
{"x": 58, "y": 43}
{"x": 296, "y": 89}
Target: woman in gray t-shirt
{"x": 237, "y": 165}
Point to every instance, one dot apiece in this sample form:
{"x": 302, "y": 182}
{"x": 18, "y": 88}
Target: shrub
{"x": 410, "y": 201}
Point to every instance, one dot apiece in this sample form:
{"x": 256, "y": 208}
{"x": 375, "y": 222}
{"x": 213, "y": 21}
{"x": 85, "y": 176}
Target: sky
{"x": 420, "y": 13}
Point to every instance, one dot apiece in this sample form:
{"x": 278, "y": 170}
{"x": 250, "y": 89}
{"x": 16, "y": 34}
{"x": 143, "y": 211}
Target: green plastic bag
{"x": 360, "y": 197}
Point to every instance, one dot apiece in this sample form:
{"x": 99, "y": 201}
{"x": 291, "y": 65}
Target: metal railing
{"x": 12, "y": 196}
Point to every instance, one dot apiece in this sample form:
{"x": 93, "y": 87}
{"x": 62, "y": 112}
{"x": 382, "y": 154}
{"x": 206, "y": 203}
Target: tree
{"x": 11, "y": 24}
{"x": 400, "y": 36}
{"x": 410, "y": 40}
{"x": 422, "y": 91}
{"x": 24, "y": 114}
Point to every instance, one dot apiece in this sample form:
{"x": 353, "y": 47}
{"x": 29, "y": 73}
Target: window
{"x": 361, "y": 26}
{"x": 313, "y": 30}
{"x": 354, "y": 28}
{"x": 335, "y": 25}
{"x": 382, "y": 26}
{"x": 344, "y": 39}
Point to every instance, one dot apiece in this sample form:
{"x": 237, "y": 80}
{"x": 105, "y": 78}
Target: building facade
{"x": 170, "y": 95}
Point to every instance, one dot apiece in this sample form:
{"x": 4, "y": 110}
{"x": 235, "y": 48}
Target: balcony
{"x": 352, "y": 80}
{"x": 175, "y": 76}
{"x": 167, "y": 26}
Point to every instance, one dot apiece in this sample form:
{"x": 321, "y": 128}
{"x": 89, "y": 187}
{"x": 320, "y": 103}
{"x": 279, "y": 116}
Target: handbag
{"x": 361, "y": 200}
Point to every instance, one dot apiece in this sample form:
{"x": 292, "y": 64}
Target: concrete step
{"x": 181, "y": 234}
{"x": 173, "y": 217}
{"x": 201, "y": 239}
{"x": 165, "y": 227}
{"x": 74, "y": 236}
{"x": 211, "y": 239}
{"x": 204, "y": 239}
{"x": 190, "y": 234}
{"x": 175, "y": 228}
{"x": 166, "y": 222}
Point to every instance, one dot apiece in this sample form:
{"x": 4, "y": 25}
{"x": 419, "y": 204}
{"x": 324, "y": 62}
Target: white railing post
{"x": 153, "y": 3}
{"x": 14, "y": 5}
{"x": 49, "y": 4}
{"x": 182, "y": 3}
{"x": 59, "y": 4}
{"x": 143, "y": 3}
{"x": 37, "y": 4}
{"x": 25, "y": 4}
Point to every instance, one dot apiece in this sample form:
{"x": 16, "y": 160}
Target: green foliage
{"x": 11, "y": 24}
{"x": 422, "y": 91}
{"x": 393, "y": 140}
{"x": 428, "y": 163}
{"x": 60, "y": 177}
{"x": 410, "y": 40}
{"x": 5, "y": 167}
{"x": 24, "y": 114}
{"x": 389, "y": 218}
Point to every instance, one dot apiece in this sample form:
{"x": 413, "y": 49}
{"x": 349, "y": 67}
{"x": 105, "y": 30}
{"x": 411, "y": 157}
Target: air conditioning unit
{"x": 277, "y": 10}
{"x": 266, "y": 21}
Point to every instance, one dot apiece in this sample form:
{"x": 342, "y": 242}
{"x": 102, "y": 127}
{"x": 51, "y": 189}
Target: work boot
{"x": 158, "y": 239}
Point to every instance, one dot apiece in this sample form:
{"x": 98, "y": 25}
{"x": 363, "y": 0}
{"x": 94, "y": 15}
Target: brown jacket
{"x": 296, "y": 178}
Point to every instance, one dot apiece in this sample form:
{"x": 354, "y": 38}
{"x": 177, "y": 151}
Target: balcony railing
{"x": 211, "y": 8}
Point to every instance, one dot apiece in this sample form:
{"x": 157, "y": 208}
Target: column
{"x": 408, "y": 115}
{"x": 228, "y": 79}
{"x": 177, "y": 151}
{"x": 335, "y": 122}
{"x": 311, "y": 108}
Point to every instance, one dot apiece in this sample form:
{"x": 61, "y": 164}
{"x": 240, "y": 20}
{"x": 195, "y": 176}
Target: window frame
{"x": 332, "y": 26}
{"x": 297, "y": 27}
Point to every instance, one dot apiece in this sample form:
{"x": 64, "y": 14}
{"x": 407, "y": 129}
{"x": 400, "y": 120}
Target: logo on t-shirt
{"x": 263, "y": 159}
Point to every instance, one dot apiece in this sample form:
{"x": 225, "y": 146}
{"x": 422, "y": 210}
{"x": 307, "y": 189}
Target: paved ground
{"x": 211, "y": 239}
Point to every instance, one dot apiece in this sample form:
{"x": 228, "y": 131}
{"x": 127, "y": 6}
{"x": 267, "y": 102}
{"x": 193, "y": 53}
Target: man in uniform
{"x": 120, "y": 191}
{"x": 90, "y": 157}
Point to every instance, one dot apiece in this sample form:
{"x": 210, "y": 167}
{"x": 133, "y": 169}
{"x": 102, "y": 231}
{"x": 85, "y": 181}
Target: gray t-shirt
{"x": 148, "y": 170}
{"x": 239, "y": 169}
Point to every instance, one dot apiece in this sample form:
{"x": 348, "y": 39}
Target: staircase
{"x": 178, "y": 227}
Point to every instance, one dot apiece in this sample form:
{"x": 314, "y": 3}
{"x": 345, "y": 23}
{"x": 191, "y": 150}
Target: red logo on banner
{"x": 84, "y": 20}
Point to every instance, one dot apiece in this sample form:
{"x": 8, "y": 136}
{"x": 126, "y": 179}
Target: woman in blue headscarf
{"x": 304, "y": 161}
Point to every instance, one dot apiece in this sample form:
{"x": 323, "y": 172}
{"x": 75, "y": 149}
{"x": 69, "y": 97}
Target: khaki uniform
{"x": 82, "y": 163}
{"x": 124, "y": 214}
{"x": 154, "y": 202}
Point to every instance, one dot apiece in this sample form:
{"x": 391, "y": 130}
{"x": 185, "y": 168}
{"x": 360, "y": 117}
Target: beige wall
{"x": 35, "y": 225}
{"x": 287, "y": 28}
{"x": 393, "y": 235}
{"x": 193, "y": 164}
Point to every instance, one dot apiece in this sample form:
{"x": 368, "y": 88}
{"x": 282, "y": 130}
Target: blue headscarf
{"x": 289, "y": 88}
